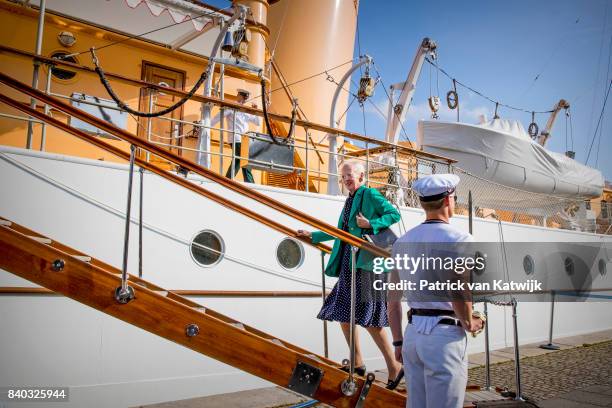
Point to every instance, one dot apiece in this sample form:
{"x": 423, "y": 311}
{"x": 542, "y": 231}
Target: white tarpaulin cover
{"x": 502, "y": 151}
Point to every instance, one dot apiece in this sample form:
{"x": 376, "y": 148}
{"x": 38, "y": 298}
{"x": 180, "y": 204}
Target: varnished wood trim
{"x": 236, "y": 106}
{"x": 22, "y": 290}
{"x": 158, "y": 170}
{"x": 186, "y": 164}
{"x": 168, "y": 318}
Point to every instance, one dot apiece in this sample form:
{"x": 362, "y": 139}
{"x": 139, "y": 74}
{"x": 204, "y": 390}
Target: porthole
{"x": 290, "y": 254}
{"x": 62, "y": 73}
{"x": 603, "y": 267}
{"x": 479, "y": 256}
{"x": 207, "y": 248}
{"x": 528, "y": 265}
{"x": 569, "y": 265}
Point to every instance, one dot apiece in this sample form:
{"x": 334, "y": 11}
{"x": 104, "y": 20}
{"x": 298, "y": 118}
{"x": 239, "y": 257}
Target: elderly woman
{"x": 365, "y": 209}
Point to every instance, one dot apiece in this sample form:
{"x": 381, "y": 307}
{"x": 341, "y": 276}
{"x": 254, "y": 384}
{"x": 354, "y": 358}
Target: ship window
{"x": 207, "y": 248}
{"x": 290, "y": 254}
{"x": 604, "y": 209}
{"x": 603, "y": 268}
{"x": 569, "y": 266}
{"x": 61, "y": 72}
{"x": 528, "y": 265}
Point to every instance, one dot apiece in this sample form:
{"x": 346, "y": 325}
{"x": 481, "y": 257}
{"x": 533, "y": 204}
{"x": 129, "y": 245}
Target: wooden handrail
{"x": 153, "y": 310}
{"x": 231, "y": 105}
{"x": 24, "y": 290}
{"x": 186, "y": 164}
{"x": 159, "y": 171}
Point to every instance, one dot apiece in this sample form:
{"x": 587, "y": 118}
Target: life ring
{"x": 452, "y": 99}
{"x": 533, "y": 130}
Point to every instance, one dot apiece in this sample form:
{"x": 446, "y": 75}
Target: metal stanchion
{"x": 125, "y": 293}
{"x": 307, "y": 136}
{"x": 487, "y": 347}
{"x": 233, "y": 133}
{"x": 551, "y": 345}
{"x": 517, "y": 363}
{"x": 348, "y": 386}
{"x": 149, "y": 130}
{"x": 323, "y": 290}
{"x": 43, "y": 129}
{"x": 141, "y": 199}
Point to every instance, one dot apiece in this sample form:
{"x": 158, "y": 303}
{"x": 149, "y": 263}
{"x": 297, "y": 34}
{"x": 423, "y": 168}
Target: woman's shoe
{"x": 392, "y": 384}
{"x": 361, "y": 370}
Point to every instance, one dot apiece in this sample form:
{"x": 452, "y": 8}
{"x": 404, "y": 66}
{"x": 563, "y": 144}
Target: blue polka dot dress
{"x": 370, "y": 310}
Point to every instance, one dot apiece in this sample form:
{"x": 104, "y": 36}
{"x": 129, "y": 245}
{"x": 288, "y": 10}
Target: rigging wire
{"x": 405, "y": 134}
{"x": 595, "y": 82}
{"x": 483, "y": 95}
{"x": 346, "y": 110}
{"x": 607, "y": 79}
{"x": 603, "y": 108}
{"x": 138, "y": 36}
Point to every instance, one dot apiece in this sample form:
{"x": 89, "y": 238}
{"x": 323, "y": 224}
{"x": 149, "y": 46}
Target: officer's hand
{"x": 476, "y": 325}
{"x": 362, "y": 222}
{"x": 304, "y": 234}
{"x": 398, "y": 354}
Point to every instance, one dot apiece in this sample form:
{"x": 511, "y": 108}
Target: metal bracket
{"x": 58, "y": 265}
{"x": 305, "y": 379}
{"x": 124, "y": 296}
{"x": 365, "y": 390}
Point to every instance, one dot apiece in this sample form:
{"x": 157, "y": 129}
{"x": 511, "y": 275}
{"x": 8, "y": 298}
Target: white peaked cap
{"x": 435, "y": 186}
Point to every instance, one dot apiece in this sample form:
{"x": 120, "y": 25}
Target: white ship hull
{"x": 52, "y": 340}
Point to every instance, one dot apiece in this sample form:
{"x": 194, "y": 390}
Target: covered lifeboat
{"x": 502, "y": 151}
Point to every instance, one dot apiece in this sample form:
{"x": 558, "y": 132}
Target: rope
{"x": 603, "y": 108}
{"x": 392, "y": 104}
{"x": 125, "y": 106}
{"x": 157, "y": 230}
{"x": 483, "y": 95}
{"x": 264, "y": 103}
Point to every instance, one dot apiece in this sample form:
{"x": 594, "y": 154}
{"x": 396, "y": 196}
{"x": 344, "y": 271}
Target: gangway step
{"x": 83, "y": 258}
{"x": 210, "y": 333}
{"x": 42, "y": 240}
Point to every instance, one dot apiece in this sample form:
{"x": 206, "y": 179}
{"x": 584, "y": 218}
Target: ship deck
{"x": 577, "y": 375}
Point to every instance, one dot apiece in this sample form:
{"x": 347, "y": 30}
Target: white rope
{"x": 148, "y": 226}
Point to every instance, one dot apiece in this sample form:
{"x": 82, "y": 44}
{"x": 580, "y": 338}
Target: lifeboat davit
{"x": 502, "y": 151}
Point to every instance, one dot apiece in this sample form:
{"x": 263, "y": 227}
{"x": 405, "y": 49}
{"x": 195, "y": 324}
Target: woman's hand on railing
{"x": 304, "y": 234}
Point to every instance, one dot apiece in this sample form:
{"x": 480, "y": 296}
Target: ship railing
{"x": 390, "y": 168}
{"x": 313, "y": 176}
{"x": 138, "y": 143}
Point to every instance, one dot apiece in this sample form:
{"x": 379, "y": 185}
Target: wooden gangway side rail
{"x": 180, "y": 161}
{"x": 92, "y": 282}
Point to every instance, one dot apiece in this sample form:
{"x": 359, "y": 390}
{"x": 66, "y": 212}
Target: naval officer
{"x": 433, "y": 347}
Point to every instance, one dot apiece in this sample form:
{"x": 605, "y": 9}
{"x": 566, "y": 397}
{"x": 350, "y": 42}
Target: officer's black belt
{"x": 434, "y": 312}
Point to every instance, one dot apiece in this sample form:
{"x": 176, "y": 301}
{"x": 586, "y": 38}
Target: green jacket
{"x": 381, "y": 214}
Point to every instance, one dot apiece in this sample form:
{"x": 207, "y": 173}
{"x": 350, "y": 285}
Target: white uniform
{"x": 242, "y": 122}
{"x": 435, "y": 358}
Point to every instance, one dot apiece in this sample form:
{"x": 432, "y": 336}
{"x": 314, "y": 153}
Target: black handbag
{"x": 384, "y": 239}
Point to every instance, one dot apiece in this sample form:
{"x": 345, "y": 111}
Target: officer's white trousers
{"x": 436, "y": 367}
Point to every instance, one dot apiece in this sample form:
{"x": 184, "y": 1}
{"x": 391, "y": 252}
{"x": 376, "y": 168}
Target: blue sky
{"x": 497, "y": 48}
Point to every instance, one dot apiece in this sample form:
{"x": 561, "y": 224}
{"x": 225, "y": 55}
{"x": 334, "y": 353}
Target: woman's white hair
{"x": 355, "y": 165}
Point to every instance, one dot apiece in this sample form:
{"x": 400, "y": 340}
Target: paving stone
{"x": 563, "y": 403}
{"x": 589, "y": 397}
{"x": 262, "y": 398}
